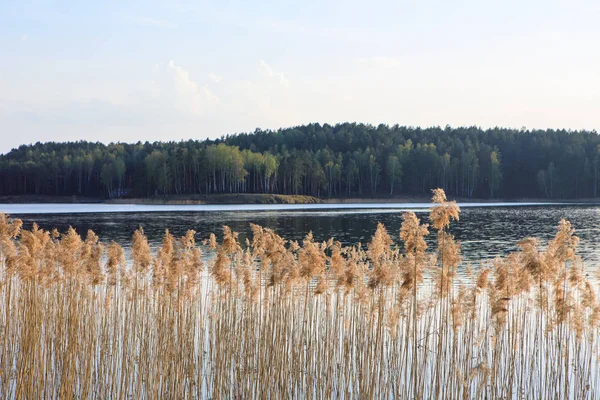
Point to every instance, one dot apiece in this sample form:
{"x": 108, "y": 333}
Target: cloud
{"x": 176, "y": 88}
{"x": 168, "y": 97}
{"x": 283, "y": 80}
{"x": 151, "y": 22}
{"x": 171, "y": 96}
{"x": 265, "y": 68}
{"x": 24, "y": 38}
{"x": 268, "y": 72}
{"x": 214, "y": 77}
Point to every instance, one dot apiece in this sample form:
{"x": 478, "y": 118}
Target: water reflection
{"x": 483, "y": 231}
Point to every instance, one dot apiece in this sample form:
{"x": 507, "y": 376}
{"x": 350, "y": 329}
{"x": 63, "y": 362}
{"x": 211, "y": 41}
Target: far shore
{"x": 249, "y": 198}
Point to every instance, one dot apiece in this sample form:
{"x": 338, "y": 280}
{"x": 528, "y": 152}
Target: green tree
{"x": 495, "y": 173}
{"x": 394, "y": 172}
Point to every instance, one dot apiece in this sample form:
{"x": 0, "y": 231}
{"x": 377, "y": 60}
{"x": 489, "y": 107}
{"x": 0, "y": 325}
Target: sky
{"x": 117, "y": 70}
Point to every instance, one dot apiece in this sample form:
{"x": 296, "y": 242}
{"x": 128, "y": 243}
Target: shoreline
{"x": 241, "y": 198}
{"x": 250, "y": 198}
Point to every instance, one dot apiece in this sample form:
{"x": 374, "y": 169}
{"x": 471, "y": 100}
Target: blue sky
{"x": 150, "y": 70}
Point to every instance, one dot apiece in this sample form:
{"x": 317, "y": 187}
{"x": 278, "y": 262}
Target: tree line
{"x": 342, "y": 160}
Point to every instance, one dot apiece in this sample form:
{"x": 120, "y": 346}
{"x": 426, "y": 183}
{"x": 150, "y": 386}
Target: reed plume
{"x": 271, "y": 318}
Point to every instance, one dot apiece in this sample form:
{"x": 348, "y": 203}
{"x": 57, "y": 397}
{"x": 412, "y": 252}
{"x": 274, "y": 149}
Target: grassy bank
{"x": 48, "y": 199}
{"x": 241, "y": 198}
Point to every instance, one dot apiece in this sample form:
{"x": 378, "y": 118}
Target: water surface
{"x": 484, "y": 230}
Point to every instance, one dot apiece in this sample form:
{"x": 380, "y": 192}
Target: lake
{"x": 485, "y": 230}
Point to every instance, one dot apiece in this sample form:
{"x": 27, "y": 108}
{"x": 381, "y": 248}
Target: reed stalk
{"x": 272, "y": 318}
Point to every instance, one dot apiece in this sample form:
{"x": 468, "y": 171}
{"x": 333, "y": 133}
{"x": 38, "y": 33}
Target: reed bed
{"x": 284, "y": 320}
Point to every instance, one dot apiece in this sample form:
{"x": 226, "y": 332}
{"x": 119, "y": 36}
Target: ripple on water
{"x": 484, "y": 232}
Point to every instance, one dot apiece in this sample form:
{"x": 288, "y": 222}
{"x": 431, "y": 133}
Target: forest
{"x": 326, "y": 161}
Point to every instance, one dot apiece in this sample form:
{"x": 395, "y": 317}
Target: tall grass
{"x": 276, "y": 319}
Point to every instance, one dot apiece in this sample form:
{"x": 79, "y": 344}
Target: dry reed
{"x": 279, "y": 319}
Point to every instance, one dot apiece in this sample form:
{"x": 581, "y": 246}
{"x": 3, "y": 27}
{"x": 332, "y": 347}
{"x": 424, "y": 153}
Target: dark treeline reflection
{"x": 483, "y": 232}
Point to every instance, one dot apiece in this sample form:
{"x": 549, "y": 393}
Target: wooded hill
{"x": 344, "y": 160}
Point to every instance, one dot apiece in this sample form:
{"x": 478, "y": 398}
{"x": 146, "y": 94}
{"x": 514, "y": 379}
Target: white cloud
{"x": 171, "y": 96}
{"x": 266, "y": 69}
{"x": 214, "y": 77}
{"x": 268, "y": 72}
{"x": 283, "y": 80}
{"x": 24, "y": 38}
{"x": 174, "y": 88}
